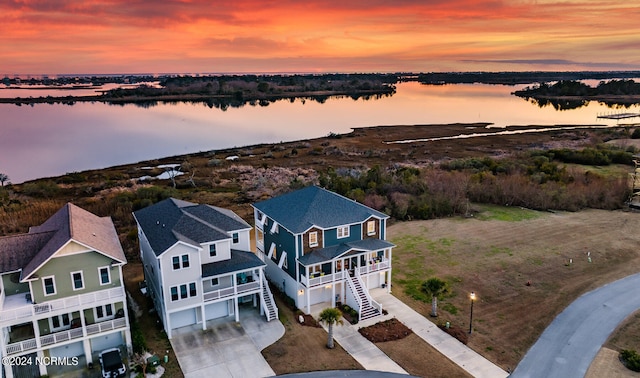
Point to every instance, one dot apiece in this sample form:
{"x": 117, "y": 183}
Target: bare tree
{"x": 3, "y": 178}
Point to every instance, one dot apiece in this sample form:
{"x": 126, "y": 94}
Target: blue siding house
{"x": 321, "y": 247}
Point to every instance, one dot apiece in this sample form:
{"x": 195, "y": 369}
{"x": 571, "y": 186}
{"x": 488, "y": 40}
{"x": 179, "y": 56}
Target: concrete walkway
{"x": 361, "y": 349}
{"x": 457, "y": 352}
{"x": 568, "y": 346}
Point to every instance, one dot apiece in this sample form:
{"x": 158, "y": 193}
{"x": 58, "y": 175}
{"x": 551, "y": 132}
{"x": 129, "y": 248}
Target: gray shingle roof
{"x": 298, "y": 211}
{"x": 240, "y": 260}
{"x": 29, "y": 251}
{"x": 329, "y": 253}
{"x": 172, "y": 220}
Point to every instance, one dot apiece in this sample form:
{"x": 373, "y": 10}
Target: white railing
{"x": 59, "y": 337}
{"x": 270, "y": 299}
{"x": 372, "y": 302}
{"x": 67, "y": 335}
{"x": 21, "y": 346}
{"x": 67, "y": 303}
{"x": 354, "y": 291}
{"x": 374, "y": 267}
{"x": 323, "y": 279}
{"x": 230, "y": 291}
{"x": 106, "y": 326}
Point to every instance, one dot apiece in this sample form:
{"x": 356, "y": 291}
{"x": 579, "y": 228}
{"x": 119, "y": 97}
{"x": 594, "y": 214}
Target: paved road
{"x": 568, "y": 346}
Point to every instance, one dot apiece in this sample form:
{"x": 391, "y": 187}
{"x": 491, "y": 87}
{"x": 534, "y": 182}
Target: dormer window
{"x": 236, "y": 238}
{"x": 313, "y": 239}
{"x": 343, "y": 232}
{"x": 212, "y": 250}
{"x": 371, "y": 227}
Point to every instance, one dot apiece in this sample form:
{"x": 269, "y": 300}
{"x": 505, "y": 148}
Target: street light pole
{"x": 472, "y": 296}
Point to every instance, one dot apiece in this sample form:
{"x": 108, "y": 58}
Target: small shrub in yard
{"x": 631, "y": 359}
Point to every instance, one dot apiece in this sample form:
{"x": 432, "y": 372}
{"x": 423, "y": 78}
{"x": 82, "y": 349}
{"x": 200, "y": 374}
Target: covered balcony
{"x": 336, "y": 263}
{"x": 239, "y": 276}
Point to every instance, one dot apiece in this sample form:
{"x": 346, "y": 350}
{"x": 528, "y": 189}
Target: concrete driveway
{"x": 568, "y": 346}
{"x": 227, "y": 348}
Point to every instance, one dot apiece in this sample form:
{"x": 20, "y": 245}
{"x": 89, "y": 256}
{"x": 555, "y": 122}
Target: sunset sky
{"x": 189, "y": 36}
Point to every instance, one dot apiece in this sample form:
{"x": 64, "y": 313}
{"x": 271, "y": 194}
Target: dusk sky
{"x": 190, "y": 36}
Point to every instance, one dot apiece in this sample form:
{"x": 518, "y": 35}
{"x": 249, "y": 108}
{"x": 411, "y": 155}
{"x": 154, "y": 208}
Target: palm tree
{"x": 331, "y": 316}
{"x": 436, "y": 288}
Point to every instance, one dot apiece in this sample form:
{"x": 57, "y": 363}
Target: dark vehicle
{"x": 111, "y": 363}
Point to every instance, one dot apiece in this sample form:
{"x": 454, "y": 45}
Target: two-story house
{"x": 198, "y": 265}
{"x": 62, "y": 293}
{"x": 322, "y": 247}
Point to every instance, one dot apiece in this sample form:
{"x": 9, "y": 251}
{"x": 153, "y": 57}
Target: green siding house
{"x": 62, "y": 294}
{"x": 321, "y": 247}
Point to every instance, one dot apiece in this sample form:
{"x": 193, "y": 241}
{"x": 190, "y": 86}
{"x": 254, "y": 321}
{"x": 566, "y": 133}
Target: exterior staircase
{"x": 267, "y": 301}
{"x": 368, "y": 307}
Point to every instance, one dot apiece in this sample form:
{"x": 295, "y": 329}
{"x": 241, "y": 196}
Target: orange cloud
{"x": 58, "y": 36}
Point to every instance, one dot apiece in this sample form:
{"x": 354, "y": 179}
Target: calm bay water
{"x": 48, "y": 140}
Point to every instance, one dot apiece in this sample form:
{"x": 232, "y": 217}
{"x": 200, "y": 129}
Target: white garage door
{"x": 100, "y": 343}
{"x": 216, "y": 310}
{"x": 69, "y": 350}
{"x": 183, "y": 318}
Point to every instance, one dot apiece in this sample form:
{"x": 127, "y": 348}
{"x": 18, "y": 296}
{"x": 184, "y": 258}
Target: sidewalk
{"x": 361, "y": 349}
{"x": 457, "y": 352}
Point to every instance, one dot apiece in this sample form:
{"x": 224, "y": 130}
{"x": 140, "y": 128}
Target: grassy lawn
{"x": 497, "y": 253}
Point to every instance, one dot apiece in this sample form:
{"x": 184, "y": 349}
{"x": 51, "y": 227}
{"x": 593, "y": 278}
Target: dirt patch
{"x": 387, "y": 330}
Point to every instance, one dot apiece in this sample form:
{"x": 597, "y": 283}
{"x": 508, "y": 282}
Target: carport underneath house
{"x": 326, "y": 274}
{"x": 225, "y": 285}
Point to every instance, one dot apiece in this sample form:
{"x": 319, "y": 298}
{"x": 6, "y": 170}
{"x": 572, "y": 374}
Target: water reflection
{"x": 49, "y": 140}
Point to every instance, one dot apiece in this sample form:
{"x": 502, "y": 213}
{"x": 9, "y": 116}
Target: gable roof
{"x": 71, "y": 223}
{"x": 172, "y": 220}
{"x": 298, "y": 211}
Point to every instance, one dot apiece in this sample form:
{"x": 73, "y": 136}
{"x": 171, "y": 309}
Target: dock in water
{"x": 619, "y": 115}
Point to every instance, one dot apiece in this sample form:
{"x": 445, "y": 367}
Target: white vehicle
{"x": 111, "y": 363}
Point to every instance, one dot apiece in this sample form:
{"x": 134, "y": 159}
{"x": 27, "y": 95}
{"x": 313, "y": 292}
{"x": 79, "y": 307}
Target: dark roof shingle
{"x": 299, "y": 210}
{"x": 171, "y": 220}
{"x": 240, "y": 260}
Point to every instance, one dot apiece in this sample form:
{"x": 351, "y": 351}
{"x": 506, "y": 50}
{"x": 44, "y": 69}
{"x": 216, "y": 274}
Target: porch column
{"x": 42, "y": 367}
{"x": 260, "y": 271}
{"x": 204, "y": 318}
{"x": 308, "y": 297}
{"x": 86, "y": 345}
{"x": 389, "y": 274}
{"x": 235, "y": 304}
{"x": 8, "y": 371}
{"x": 36, "y": 333}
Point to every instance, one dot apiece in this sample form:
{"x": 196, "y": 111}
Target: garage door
{"x": 183, "y": 318}
{"x": 69, "y": 350}
{"x": 216, "y": 310}
{"x": 100, "y": 343}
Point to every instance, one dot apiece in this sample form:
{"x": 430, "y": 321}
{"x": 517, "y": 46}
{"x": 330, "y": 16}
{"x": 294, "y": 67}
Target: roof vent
{"x": 158, "y": 222}
{"x": 94, "y": 234}
{"x": 163, "y": 225}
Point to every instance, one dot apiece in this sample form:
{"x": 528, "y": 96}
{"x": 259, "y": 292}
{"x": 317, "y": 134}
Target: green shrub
{"x": 631, "y": 359}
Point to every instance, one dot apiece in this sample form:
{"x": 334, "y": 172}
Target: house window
{"x": 60, "y": 321}
{"x": 212, "y": 250}
{"x": 174, "y": 293}
{"x": 192, "y": 289}
{"x": 215, "y": 282}
{"x": 183, "y": 291}
{"x": 371, "y": 227}
{"x": 105, "y": 275}
{"x": 176, "y": 260}
{"x": 313, "y": 239}
{"x": 49, "y": 285}
{"x": 78, "y": 282}
{"x": 236, "y": 238}
{"x": 343, "y": 232}
{"x": 285, "y": 264}
{"x": 104, "y": 311}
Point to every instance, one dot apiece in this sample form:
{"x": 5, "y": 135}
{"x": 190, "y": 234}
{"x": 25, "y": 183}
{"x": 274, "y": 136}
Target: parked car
{"x": 111, "y": 363}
